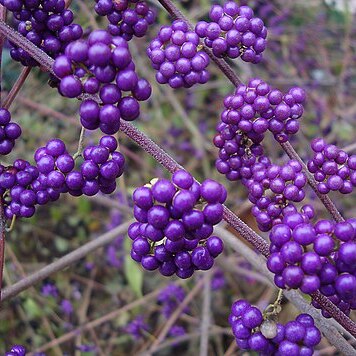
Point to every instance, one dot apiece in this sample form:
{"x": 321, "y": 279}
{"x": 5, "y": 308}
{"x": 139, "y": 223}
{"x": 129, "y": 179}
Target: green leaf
{"x": 56, "y": 214}
{"x": 62, "y": 245}
{"x": 133, "y": 273}
{"x": 84, "y": 206}
{"x": 32, "y": 309}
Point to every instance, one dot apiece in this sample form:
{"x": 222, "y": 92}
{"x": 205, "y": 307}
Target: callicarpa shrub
{"x": 178, "y": 226}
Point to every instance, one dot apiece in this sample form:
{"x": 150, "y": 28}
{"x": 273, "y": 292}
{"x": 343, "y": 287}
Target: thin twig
{"x": 172, "y": 319}
{"x": 44, "y": 318}
{"x": 205, "y": 319}
{"x": 80, "y": 144}
{"x": 16, "y": 87}
{"x": 36, "y": 53}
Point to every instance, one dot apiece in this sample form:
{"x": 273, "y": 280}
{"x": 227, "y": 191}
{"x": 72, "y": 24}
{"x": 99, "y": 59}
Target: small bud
{"x": 269, "y": 329}
{"x": 153, "y": 181}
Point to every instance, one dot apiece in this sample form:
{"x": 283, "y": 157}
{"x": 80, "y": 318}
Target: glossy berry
{"x": 333, "y": 168}
{"x": 177, "y": 209}
{"x": 234, "y": 32}
{"x": 253, "y": 332}
{"x": 102, "y": 65}
{"x": 177, "y": 57}
{"x": 128, "y": 18}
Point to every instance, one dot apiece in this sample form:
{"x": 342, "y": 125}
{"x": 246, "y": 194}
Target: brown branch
{"x": 16, "y": 87}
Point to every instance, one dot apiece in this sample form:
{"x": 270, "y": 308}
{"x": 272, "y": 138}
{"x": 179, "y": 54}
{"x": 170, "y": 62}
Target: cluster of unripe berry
{"x": 177, "y": 56}
{"x": 175, "y": 221}
{"x": 102, "y": 65}
{"x": 257, "y": 333}
{"x": 46, "y": 23}
{"x": 333, "y": 168}
{"x": 127, "y": 18}
{"x": 234, "y": 32}
{"x": 9, "y": 132}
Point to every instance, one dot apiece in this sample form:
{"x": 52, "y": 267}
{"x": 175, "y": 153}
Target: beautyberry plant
{"x": 175, "y": 228}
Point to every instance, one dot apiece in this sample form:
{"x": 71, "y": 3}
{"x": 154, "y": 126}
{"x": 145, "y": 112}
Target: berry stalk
{"x": 233, "y": 77}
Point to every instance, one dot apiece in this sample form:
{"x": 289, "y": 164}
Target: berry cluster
{"x": 253, "y": 332}
{"x": 176, "y": 54}
{"x": 24, "y": 186}
{"x": 175, "y": 221}
{"x": 333, "y": 168}
{"x": 257, "y": 107}
{"x": 102, "y": 65}
{"x": 46, "y": 23}
{"x": 54, "y": 163}
{"x": 16, "y": 350}
{"x": 101, "y": 167}
{"x": 233, "y": 32}
{"x": 127, "y": 18}
{"x": 238, "y": 151}
{"x": 335, "y": 243}
{"x": 315, "y": 257}
{"x": 28, "y": 185}
{"x": 271, "y": 187}
{"x": 293, "y": 265}
{"x": 9, "y": 132}
{"x": 16, "y": 187}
